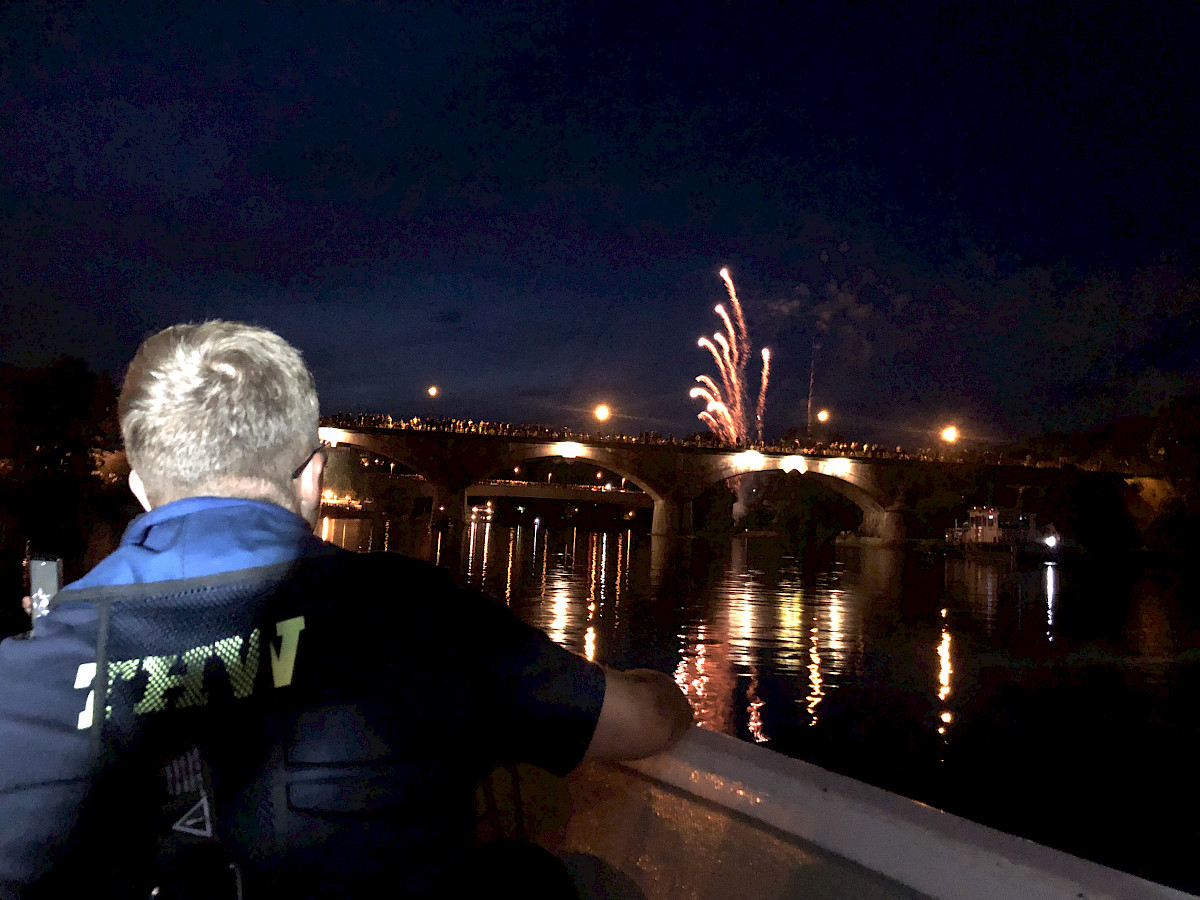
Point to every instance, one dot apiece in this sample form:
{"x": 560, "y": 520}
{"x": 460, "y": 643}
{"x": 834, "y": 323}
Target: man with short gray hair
{"x": 240, "y": 394}
{"x": 228, "y": 698}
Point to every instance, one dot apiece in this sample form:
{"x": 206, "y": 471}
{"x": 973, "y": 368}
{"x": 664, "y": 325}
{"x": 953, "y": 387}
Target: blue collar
{"x": 200, "y": 536}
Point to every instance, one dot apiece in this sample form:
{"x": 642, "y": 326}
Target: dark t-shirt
{"x": 344, "y": 707}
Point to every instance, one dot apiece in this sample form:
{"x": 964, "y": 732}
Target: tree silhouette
{"x": 53, "y": 423}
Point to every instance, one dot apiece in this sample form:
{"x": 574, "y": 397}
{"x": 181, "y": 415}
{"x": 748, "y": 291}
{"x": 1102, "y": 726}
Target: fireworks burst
{"x": 725, "y": 411}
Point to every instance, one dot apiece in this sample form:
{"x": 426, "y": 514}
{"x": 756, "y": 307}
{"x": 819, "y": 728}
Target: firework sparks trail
{"x": 723, "y": 411}
{"x": 721, "y": 341}
{"x": 762, "y": 391}
{"x": 708, "y": 383}
{"x": 713, "y": 425}
{"x": 702, "y": 394}
{"x": 728, "y": 388}
{"x": 726, "y": 408}
{"x": 742, "y": 333}
{"x": 733, "y": 392}
{"x": 720, "y": 311}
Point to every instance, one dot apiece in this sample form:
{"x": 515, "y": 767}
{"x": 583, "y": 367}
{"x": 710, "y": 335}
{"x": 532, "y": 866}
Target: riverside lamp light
{"x": 602, "y": 414}
{"x": 949, "y": 436}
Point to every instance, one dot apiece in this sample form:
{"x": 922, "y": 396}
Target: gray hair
{"x": 220, "y": 408}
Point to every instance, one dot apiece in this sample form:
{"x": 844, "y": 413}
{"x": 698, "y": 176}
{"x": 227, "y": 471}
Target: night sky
{"x": 981, "y": 213}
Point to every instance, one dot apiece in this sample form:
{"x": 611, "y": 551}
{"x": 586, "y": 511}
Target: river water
{"x": 1057, "y": 702}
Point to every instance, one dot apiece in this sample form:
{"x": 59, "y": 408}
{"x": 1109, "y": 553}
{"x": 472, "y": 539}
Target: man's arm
{"x": 644, "y": 713}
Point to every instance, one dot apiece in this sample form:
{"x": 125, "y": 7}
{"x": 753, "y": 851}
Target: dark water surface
{"x": 1057, "y": 702}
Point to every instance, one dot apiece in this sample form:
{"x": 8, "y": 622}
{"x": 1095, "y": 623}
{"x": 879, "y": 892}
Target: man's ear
{"x": 139, "y": 490}
{"x": 308, "y": 484}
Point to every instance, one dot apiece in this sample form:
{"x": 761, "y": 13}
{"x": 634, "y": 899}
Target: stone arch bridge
{"x": 673, "y": 476}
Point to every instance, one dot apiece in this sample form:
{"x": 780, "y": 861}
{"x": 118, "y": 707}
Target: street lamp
{"x": 432, "y": 391}
{"x": 602, "y": 414}
{"x": 823, "y": 416}
{"x": 949, "y": 434}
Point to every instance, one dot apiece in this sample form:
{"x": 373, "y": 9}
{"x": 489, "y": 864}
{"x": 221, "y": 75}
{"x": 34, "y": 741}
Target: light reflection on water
{"x": 749, "y": 628}
{"x": 932, "y": 677}
{"x": 750, "y": 616}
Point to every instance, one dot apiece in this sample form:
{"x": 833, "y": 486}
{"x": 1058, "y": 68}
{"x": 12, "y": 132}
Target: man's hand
{"x": 644, "y": 713}
{"x": 27, "y": 604}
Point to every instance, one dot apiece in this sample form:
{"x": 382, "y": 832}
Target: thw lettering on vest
{"x": 178, "y": 680}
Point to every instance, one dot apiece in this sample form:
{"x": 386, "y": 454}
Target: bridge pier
{"x": 672, "y": 517}
{"x": 886, "y": 525}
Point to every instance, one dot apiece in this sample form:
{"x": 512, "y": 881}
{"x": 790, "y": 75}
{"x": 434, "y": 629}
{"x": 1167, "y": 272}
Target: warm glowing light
{"x": 838, "y": 468}
{"x": 945, "y": 671}
{"x": 722, "y": 410}
{"x": 949, "y": 434}
{"x": 794, "y": 464}
{"x": 749, "y": 459}
{"x": 730, "y": 351}
{"x": 823, "y": 416}
{"x": 1050, "y": 541}
{"x": 761, "y": 406}
{"x": 815, "y": 684}
{"x": 568, "y": 449}
{"x": 602, "y": 412}
{"x": 331, "y": 437}
{"x": 432, "y": 391}
{"x": 1051, "y": 591}
{"x": 720, "y": 311}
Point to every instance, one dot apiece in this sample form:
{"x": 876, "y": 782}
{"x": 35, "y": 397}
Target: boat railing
{"x": 719, "y": 817}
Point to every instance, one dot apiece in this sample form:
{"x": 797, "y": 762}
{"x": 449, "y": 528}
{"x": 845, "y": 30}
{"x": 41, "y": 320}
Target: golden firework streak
{"x": 731, "y": 351}
{"x": 762, "y": 391}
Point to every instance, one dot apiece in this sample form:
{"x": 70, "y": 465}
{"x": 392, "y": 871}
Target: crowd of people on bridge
{"x": 562, "y": 433}
{"x": 806, "y": 446}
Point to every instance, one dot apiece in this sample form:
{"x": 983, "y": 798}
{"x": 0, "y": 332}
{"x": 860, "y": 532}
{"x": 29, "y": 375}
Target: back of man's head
{"x": 219, "y": 408}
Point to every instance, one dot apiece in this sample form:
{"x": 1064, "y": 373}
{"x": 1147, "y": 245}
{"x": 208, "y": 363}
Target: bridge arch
{"x": 672, "y": 476}
{"x": 516, "y": 455}
{"x": 433, "y": 456}
{"x": 851, "y": 478}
